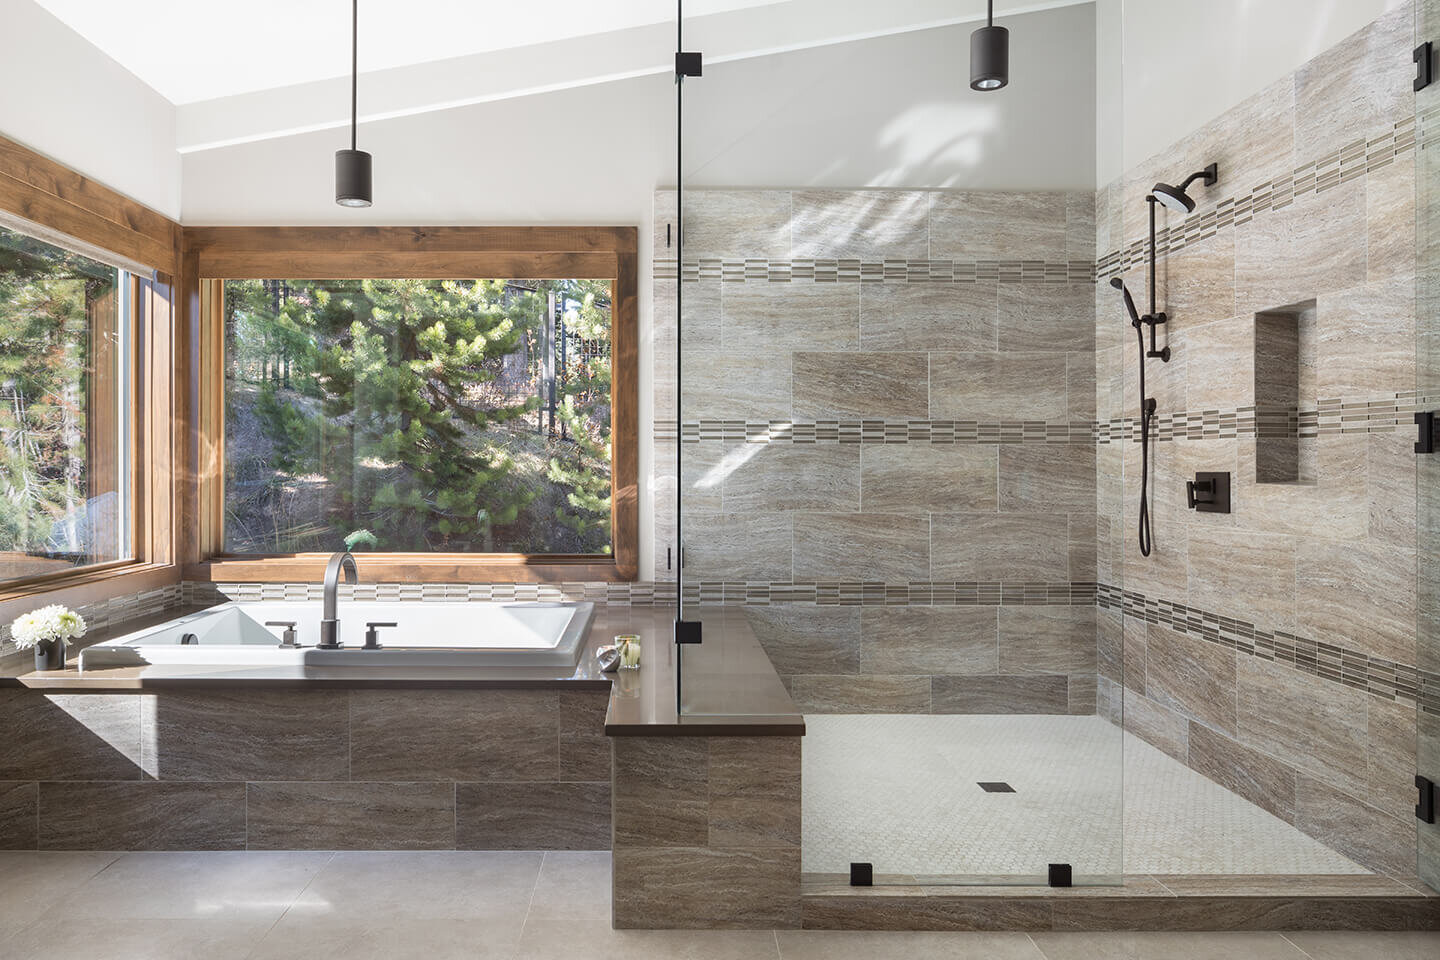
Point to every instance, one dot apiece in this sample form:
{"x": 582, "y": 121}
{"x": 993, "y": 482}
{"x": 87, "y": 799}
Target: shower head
{"x": 1119, "y": 284}
{"x": 1175, "y": 198}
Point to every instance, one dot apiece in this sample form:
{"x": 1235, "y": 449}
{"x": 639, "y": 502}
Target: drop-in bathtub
{"x": 428, "y": 634}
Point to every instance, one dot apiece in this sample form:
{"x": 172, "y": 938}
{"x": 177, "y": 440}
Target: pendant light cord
{"x": 354, "y": 66}
{"x": 990, "y": 13}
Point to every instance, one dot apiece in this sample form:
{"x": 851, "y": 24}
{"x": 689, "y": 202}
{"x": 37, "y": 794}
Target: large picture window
{"x": 66, "y": 353}
{"x": 417, "y": 416}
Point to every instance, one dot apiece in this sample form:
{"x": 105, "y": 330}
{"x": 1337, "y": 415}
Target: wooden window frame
{"x": 213, "y": 255}
{"x": 43, "y": 192}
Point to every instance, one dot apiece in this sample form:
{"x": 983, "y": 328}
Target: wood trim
{"x": 214, "y": 254}
{"x": 411, "y": 568}
{"x": 53, "y": 196}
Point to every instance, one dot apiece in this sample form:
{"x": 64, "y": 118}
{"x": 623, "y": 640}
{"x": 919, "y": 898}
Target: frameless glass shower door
{"x": 1427, "y": 370}
{"x": 876, "y": 353}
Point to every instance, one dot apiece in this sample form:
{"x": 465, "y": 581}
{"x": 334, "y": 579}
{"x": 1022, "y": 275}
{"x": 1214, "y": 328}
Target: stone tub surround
{"x": 1273, "y": 649}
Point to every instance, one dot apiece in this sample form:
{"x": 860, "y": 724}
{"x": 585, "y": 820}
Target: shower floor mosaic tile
{"x": 904, "y": 792}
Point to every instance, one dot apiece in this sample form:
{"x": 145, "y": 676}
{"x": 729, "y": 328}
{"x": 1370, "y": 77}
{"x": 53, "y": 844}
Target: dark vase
{"x": 50, "y": 655}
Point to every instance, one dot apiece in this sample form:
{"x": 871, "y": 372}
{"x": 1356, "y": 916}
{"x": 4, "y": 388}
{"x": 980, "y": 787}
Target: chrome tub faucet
{"x": 329, "y": 625}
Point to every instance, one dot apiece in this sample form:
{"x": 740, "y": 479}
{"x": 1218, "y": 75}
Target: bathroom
{"x": 730, "y": 479}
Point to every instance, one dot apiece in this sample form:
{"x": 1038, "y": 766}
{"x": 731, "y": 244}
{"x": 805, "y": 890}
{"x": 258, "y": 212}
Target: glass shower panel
{"x": 884, "y": 419}
{"x": 1427, "y": 272}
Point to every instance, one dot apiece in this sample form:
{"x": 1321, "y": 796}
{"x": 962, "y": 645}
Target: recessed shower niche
{"x": 1284, "y": 386}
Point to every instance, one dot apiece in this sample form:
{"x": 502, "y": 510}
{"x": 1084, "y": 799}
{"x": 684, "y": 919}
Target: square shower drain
{"x": 995, "y": 786}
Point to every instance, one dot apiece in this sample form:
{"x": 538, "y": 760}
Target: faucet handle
{"x": 372, "y": 636}
{"x": 287, "y": 639}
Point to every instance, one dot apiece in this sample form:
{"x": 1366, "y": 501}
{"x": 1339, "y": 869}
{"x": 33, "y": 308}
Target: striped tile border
{"x": 1352, "y": 668}
{"x": 1348, "y": 163}
{"x": 763, "y": 270}
{"x": 1331, "y": 417}
{"x": 105, "y": 614}
{"x": 639, "y": 593}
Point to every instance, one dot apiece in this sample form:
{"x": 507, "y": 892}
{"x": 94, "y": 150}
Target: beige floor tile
{"x": 577, "y": 938}
{"x": 571, "y": 885}
{"x": 1367, "y": 946}
{"x": 841, "y": 945}
{"x": 1165, "y": 946}
{"x": 212, "y": 885}
{"x": 81, "y": 939}
{"x": 33, "y": 881}
{"x": 434, "y": 885}
{"x": 386, "y": 937}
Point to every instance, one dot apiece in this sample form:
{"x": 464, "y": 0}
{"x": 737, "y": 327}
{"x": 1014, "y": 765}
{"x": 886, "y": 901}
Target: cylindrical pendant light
{"x": 989, "y": 55}
{"x": 352, "y": 167}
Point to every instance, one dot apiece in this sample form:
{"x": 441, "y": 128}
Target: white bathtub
{"x": 549, "y": 635}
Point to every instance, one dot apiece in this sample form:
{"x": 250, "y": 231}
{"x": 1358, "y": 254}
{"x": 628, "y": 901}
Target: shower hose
{"x": 1147, "y": 410}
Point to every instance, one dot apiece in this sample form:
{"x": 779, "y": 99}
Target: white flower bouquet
{"x": 47, "y": 624}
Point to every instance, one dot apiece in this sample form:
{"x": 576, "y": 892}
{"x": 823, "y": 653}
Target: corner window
{"x": 436, "y": 416}
{"x": 66, "y": 406}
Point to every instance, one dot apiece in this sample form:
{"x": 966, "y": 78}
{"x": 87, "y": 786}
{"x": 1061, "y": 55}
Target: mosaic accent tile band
{"x": 104, "y": 614}
{"x": 1375, "y": 676}
{"x": 1353, "y": 160}
{"x": 764, "y": 270}
{"x": 1330, "y": 417}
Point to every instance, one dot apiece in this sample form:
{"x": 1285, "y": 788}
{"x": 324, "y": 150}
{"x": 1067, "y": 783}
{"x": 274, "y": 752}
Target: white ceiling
{"x": 219, "y": 48}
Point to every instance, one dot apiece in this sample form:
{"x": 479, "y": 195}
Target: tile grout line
{"x": 525, "y": 921}
{"x": 296, "y": 899}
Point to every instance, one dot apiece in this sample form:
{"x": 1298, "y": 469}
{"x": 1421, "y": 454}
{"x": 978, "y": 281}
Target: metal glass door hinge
{"x": 1425, "y": 809}
{"x": 1425, "y": 443}
{"x": 688, "y": 64}
{"x": 1424, "y": 64}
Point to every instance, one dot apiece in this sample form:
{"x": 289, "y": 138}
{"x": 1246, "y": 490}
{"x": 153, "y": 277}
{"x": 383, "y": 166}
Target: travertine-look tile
{"x": 1314, "y": 725}
{"x": 1047, "y": 316}
{"x": 707, "y": 887}
{"x": 791, "y": 316}
{"x": 1082, "y": 208}
{"x": 736, "y": 223}
{"x": 860, "y": 224}
{"x": 1038, "y": 478}
{"x": 957, "y": 913}
{"x": 1390, "y": 485}
{"x": 737, "y": 546}
{"x": 1366, "y": 343}
{"x": 1036, "y": 693}
{"x": 350, "y": 816}
{"x": 1050, "y": 639}
{"x": 1263, "y": 780}
{"x": 404, "y": 735}
{"x": 1157, "y": 725}
{"x": 1008, "y": 546}
{"x": 532, "y": 816}
{"x": 1357, "y": 595}
{"x": 19, "y": 815}
{"x": 998, "y": 386}
{"x": 701, "y": 329}
{"x": 1311, "y": 247}
{"x": 1364, "y": 834}
{"x": 800, "y": 639}
{"x": 862, "y": 694}
{"x": 1191, "y": 676}
{"x": 1390, "y": 726}
{"x": 1335, "y": 506}
{"x": 892, "y": 548}
{"x": 755, "y": 385}
{"x": 841, "y": 385}
{"x": 996, "y": 225}
{"x": 142, "y": 816}
{"x": 782, "y": 476}
{"x": 1198, "y": 283}
{"x": 661, "y": 791}
{"x": 1219, "y": 365}
{"x": 584, "y": 748}
{"x": 754, "y": 792}
{"x": 69, "y": 736}
{"x": 928, "y": 316}
{"x": 1390, "y": 199}
{"x": 246, "y": 735}
{"x": 1355, "y": 88}
{"x": 928, "y": 640}
{"x": 915, "y": 477}
{"x": 1251, "y": 577}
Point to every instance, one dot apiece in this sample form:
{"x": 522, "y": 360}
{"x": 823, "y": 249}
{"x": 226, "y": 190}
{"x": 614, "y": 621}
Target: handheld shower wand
{"x": 1147, "y": 411}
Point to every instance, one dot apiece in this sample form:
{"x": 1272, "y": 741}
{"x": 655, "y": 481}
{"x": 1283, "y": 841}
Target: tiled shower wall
{"x": 1273, "y": 648}
{"x": 888, "y": 433}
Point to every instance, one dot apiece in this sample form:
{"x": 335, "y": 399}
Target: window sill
{"x": 415, "y": 568}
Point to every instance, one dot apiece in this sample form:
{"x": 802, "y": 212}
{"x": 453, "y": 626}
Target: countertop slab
{"x": 731, "y": 687}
